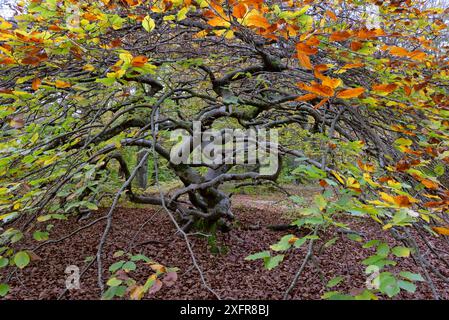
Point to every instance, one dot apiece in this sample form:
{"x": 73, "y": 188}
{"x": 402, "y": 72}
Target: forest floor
{"x": 149, "y": 231}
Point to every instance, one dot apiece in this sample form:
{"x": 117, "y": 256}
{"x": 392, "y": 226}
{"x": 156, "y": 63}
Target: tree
{"x": 83, "y": 82}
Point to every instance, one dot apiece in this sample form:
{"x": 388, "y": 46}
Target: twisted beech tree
{"x": 82, "y": 82}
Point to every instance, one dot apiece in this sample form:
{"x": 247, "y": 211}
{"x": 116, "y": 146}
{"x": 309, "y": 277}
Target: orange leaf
{"x": 36, "y": 84}
{"x": 322, "y": 102}
{"x": 307, "y": 97}
{"x": 318, "y": 89}
{"x": 350, "y": 93}
{"x": 430, "y": 184}
{"x": 257, "y": 20}
{"x": 387, "y": 88}
{"x": 305, "y": 49}
{"x": 402, "y": 201}
{"x": 7, "y": 61}
{"x": 417, "y": 55}
{"x": 352, "y": 65}
{"x": 356, "y": 46}
{"x": 398, "y": 51}
{"x": 441, "y": 230}
{"x": 339, "y": 36}
{"x": 139, "y": 61}
{"x": 239, "y": 11}
{"x": 331, "y": 82}
{"x": 218, "y": 22}
{"x": 331, "y": 15}
{"x": 304, "y": 60}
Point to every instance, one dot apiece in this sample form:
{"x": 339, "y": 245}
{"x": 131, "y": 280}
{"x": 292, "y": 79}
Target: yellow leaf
{"x": 89, "y": 67}
{"x": 338, "y": 177}
{"x": 62, "y": 84}
{"x": 136, "y": 292}
{"x": 332, "y": 82}
{"x": 352, "y": 183}
{"x": 148, "y": 24}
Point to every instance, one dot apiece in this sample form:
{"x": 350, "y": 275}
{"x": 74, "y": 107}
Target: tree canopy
{"x": 362, "y": 83}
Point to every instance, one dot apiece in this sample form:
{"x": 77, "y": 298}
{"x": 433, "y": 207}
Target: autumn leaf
{"x": 157, "y": 285}
{"x": 139, "y": 61}
{"x": 386, "y": 88}
{"x": 306, "y": 49}
{"x": 36, "y": 84}
{"x": 255, "y": 19}
{"x": 62, "y": 84}
{"x": 7, "y": 61}
{"x": 219, "y": 22}
{"x": 239, "y": 11}
{"x": 332, "y": 82}
{"x": 350, "y": 93}
{"x": 170, "y": 279}
{"x": 17, "y": 122}
{"x": 441, "y": 230}
{"x": 429, "y": 184}
{"x": 317, "y": 89}
{"x": 398, "y": 51}
{"x": 307, "y": 97}
{"x": 136, "y": 292}
{"x": 353, "y": 184}
{"x": 331, "y": 15}
{"x": 304, "y": 61}
{"x": 321, "y": 103}
{"x": 148, "y": 24}
{"x": 340, "y": 36}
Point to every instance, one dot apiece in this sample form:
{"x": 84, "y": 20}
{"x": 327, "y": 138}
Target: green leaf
{"x": 298, "y": 243}
{"x": 148, "y": 24}
{"x": 40, "y": 236}
{"x": 439, "y": 170}
{"x": 140, "y": 257}
{"x": 114, "y": 282}
{"x": 331, "y": 242}
{"x": 4, "y": 289}
{"x": 401, "y": 252}
{"x": 411, "y": 276}
{"x": 273, "y": 262}
{"x": 119, "y": 253}
{"x": 383, "y": 250}
{"x": 334, "y": 282}
{"x": 116, "y": 266}
{"x": 388, "y": 285}
{"x": 354, "y": 237}
{"x": 283, "y": 244}
{"x": 259, "y": 255}
{"x": 3, "y": 262}
{"x": 129, "y": 266}
{"x": 407, "y": 286}
{"x": 371, "y": 244}
{"x": 21, "y": 259}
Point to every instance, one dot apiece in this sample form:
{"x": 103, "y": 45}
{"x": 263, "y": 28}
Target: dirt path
{"x": 229, "y": 274}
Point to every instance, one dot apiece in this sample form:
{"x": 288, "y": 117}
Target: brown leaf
{"x": 170, "y": 279}
{"x": 157, "y": 285}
